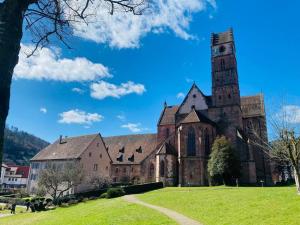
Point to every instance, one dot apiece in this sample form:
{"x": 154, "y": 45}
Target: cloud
{"x": 102, "y": 89}
{"x": 79, "y": 117}
{"x": 133, "y": 127}
{"x": 48, "y": 64}
{"x": 124, "y": 30}
{"x": 180, "y": 95}
{"x": 43, "y": 110}
{"x": 289, "y": 113}
{"x": 121, "y": 117}
{"x": 78, "y": 90}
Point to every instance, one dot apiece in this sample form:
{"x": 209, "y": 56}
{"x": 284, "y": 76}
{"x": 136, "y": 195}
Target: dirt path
{"x": 179, "y": 218}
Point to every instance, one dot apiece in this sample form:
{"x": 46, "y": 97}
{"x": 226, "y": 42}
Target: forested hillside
{"x": 20, "y": 147}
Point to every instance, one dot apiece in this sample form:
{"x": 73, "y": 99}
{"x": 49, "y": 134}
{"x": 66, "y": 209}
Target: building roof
{"x": 253, "y": 106}
{"x": 23, "y": 170}
{"x": 222, "y": 38}
{"x": 68, "y": 148}
{"x": 195, "y": 117}
{"x": 167, "y": 149}
{"x": 168, "y": 115}
{"x": 130, "y": 149}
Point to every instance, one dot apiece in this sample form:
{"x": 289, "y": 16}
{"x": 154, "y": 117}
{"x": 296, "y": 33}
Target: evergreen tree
{"x": 224, "y": 164}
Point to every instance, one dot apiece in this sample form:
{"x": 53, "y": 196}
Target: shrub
{"x": 104, "y": 195}
{"x": 141, "y": 188}
{"x": 115, "y": 192}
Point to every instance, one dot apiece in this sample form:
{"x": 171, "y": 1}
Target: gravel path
{"x": 179, "y": 218}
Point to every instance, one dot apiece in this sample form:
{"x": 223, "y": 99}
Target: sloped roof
{"x": 168, "y": 115}
{"x": 69, "y": 148}
{"x": 137, "y": 147}
{"x": 167, "y": 149}
{"x": 196, "y": 116}
{"x": 253, "y": 106}
{"x": 23, "y": 170}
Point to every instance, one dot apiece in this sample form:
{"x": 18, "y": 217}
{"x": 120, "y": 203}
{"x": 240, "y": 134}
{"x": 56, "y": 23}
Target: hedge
{"x": 141, "y": 188}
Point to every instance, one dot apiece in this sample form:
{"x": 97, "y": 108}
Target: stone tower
{"x": 225, "y": 85}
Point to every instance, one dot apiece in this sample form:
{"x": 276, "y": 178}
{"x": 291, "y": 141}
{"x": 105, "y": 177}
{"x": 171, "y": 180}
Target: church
{"x": 179, "y": 152}
{"x": 186, "y": 132}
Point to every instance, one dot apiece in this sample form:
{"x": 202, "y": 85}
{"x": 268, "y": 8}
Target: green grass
{"x": 231, "y": 206}
{"x": 102, "y": 211}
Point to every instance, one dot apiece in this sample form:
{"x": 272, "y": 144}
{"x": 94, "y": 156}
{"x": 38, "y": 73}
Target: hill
{"x": 20, "y": 147}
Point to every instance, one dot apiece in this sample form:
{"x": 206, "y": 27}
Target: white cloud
{"x": 78, "y": 90}
{"x": 79, "y": 117}
{"x": 121, "y": 117}
{"x": 290, "y": 113}
{"x": 133, "y": 127}
{"x": 102, "y": 89}
{"x": 180, "y": 95}
{"x": 43, "y": 110}
{"x": 124, "y": 30}
{"x": 47, "y": 64}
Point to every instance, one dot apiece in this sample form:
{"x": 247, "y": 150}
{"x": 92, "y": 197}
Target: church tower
{"x": 225, "y": 87}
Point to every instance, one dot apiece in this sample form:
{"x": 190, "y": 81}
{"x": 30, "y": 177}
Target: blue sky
{"x": 160, "y": 61}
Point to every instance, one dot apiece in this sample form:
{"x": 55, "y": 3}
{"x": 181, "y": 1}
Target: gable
{"x": 194, "y": 99}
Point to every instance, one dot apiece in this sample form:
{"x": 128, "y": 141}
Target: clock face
{"x": 222, "y": 50}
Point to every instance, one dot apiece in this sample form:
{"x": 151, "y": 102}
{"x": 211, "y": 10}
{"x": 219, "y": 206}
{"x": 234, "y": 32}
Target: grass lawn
{"x": 231, "y": 206}
{"x": 102, "y": 211}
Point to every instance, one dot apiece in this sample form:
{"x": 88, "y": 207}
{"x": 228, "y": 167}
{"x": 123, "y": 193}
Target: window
{"x": 191, "y": 142}
{"x": 106, "y": 168}
{"x": 229, "y": 96}
{"x": 117, "y": 170}
{"x": 90, "y": 154}
{"x": 193, "y": 107}
{"x": 194, "y": 96}
{"x": 100, "y": 156}
{"x": 220, "y": 97}
{"x": 162, "y": 168}
{"x": 95, "y": 167}
{"x": 151, "y": 170}
{"x": 124, "y": 170}
{"x": 222, "y": 64}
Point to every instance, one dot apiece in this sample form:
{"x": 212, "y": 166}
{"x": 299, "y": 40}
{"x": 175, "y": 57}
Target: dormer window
{"x": 120, "y": 158}
{"x": 131, "y": 158}
{"x": 139, "y": 150}
{"x": 122, "y": 150}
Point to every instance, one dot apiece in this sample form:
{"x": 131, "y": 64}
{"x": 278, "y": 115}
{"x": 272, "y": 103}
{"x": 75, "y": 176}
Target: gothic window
{"x": 191, "y": 142}
{"x": 151, "y": 170}
{"x": 162, "y": 169}
{"x": 206, "y": 142}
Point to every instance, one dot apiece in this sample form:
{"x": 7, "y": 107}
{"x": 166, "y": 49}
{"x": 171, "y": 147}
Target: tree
{"x": 223, "y": 164}
{"x": 99, "y": 182}
{"x": 44, "y": 19}
{"x": 57, "y": 179}
{"x": 285, "y": 149}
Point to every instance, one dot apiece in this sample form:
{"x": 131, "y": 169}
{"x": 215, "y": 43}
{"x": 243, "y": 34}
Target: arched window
{"x": 206, "y": 142}
{"x": 162, "y": 169}
{"x": 151, "y": 170}
{"x": 191, "y": 142}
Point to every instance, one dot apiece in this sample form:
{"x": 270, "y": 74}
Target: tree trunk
{"x": 297, "y": 179}
{"x": 11, "y": 20}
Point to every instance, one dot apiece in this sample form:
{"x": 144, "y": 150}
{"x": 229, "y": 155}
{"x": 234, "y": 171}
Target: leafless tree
{"x": 99, "y": 182}
{"x": 46, "y": 20}
{"x": 285, "y": 147}
{"x": 59, "y": 179}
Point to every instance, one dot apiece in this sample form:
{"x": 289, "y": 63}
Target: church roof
{"x": 67, "y": 148}
{"x": 253, "y": 106}
{"x": 130, "y": 149}
{"x": 195, "y": 117}
{"x": 168, "y": 115}
{"x": 167, "y": 149}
